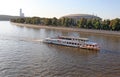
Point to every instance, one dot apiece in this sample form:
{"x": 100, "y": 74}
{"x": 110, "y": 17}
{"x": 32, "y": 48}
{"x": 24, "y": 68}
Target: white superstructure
{"x": 74, "y": 42}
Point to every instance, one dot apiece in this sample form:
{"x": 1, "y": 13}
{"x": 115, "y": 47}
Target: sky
{"x": 106, "y": 9}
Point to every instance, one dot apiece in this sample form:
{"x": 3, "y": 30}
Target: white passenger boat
{"x": 73, "y": 42}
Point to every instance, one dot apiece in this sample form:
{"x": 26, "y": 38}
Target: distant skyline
{"x": 106, "y": 9}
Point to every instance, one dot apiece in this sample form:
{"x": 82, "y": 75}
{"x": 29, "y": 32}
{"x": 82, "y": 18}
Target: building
{"x": 21, "y": 14}
{"x": 79, "y": 16}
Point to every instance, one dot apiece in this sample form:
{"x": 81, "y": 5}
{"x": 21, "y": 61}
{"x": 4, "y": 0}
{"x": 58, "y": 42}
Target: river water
{"x": 22, "y": 55}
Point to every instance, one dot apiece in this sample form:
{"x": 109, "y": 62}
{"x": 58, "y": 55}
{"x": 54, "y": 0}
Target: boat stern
{"x": 92, "y": 45}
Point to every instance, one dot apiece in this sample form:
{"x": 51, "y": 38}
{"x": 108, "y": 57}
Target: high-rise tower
{"x": 21, "y": 14}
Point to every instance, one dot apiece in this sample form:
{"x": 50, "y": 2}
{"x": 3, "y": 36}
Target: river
{"x": 22, "y": 55}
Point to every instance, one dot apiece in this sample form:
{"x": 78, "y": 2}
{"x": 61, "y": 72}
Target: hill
{"x": 8, "y": 17}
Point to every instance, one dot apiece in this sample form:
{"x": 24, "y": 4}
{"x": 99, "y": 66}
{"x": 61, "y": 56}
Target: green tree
{"x": 105, "y": 24}
{"x": 89, "y": 24}
{"x": 115, "y": 24}
{"x": 48, "y": 21}
{"x": 35, "y": 20}
{"x": 82, "y": 23}
{"x": 55, "y": 21}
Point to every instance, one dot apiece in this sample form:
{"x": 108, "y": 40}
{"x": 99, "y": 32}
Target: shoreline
{"x": 85, "y": 31}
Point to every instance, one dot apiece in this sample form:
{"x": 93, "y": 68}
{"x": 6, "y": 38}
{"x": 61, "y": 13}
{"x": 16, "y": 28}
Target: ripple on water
{"x": 21, "y": 55}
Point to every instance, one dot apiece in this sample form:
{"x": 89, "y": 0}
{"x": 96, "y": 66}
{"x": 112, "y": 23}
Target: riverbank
{"x": 87, "y": 31}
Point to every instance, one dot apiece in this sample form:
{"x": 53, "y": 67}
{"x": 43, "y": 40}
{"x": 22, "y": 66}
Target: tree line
{"x": 93, "y": 23}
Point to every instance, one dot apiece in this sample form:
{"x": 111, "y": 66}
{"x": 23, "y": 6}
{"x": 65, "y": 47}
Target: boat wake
{"x": 25, "y": 39}
{"x": 37, "y": 40}
{"x": 31, "y": 40}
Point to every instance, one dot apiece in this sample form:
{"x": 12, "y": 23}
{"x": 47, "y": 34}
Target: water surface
{"x": 21, "y": 55}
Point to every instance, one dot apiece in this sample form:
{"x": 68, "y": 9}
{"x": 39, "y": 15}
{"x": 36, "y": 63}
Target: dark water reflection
{"x": 22, "y": 56}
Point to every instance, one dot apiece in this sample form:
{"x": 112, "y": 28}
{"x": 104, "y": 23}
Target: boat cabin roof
{"x": 91, "y": 43}
{"x": 65, "y": 37}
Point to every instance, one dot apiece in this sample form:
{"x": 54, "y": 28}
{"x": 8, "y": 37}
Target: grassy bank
{"x": 88, "y": 31}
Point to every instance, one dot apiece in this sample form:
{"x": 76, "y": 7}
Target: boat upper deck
{"x": 73, "y": 38}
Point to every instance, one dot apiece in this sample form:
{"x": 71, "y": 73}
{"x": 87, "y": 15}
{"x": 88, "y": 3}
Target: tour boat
{"x": 73, "y": 42}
